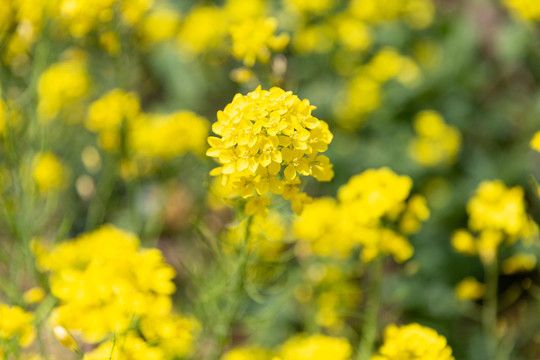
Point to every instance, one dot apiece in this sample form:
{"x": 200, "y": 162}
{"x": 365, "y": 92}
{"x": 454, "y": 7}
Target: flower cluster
{"x": 364, "y": 94}
{"x": 496, "y": 213}
{"x": 62, "y": 85}
{"x": 143, "y": 138}
{"x": 315, "y": 347}
{"x": 267, "y": 139}
{"x": 102, "y": 294}
{"x": 48, "y": 172}
{"x": 528, "y": 10}
{"x": 360, "y": 217}
{"x": 436, "y": 142}
{"x": 253, "y": 39}
{"x": 411, "y": 342}
{"x": 16, "y": 325}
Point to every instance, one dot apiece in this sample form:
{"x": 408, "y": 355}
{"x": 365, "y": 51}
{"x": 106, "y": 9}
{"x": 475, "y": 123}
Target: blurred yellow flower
{"x": 521, "y": 262}
{"x": 315, "y": 347}
{"x": 159, "y": 25}
{"x": 48, "y": 172}
{"x": 16, "y": 323}
{"x": 436, "y": 142}
{"x": 528, "y": 10}
{"x": 411, "y": 342}
{"x": 253, "y": 39}
{"x": 203, "y": 29}
{"x": 34, "y": 295}
{"x": 65, "y": 338}
{"x": 247, "y": 353}
{"x": 61, "y": 86}
{"x": 535, "y": 141}
{"x": 470, "y": 289}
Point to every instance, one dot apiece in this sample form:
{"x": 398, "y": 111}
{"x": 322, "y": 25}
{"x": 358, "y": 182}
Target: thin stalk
{"x": 369, "y": 327}
{"x": 489, "y": 307}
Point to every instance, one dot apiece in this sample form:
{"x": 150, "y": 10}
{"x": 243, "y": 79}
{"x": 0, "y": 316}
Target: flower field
{"x": 269, "y": 180}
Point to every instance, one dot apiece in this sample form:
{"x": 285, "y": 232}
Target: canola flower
{"x": 15, "y": 323}
{"x": 101, "y": 294}
{"x": 359, "y": 218}
{"x": 267, "y": 139}
{"x": 436, "y": 142}
{"x": 315, "y": 347}
{"x": 521, "y": 262}
{"x": 535, "y": 142}
{"x": 470, "y": 289}
{"x": 497, "y": 214}
{"x": 525, "y": 10}
{"x": 248, "y": 353}
{"x": 48, "y": 172}
{"x": 61, "y": 86}
{"x": 412, "y": 342}
{"x": 254, "y": 39}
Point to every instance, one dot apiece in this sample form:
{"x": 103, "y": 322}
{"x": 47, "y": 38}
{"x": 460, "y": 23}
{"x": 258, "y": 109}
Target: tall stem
{"x": 371, "y": 316}
{"x": 489, "y": 308}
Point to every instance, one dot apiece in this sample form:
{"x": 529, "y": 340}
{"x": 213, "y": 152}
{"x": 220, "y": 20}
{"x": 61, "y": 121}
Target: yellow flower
{"x": 107, "y": 115}
{"x": 204, "y": 29}
{"x": 48, "y": 172}
{"x": 159, "y": 25}
{"x": 34, "y": 295}
{"x": 411, "y": 342}
{"x": 436, "y": 142}
{"x": 132, "y": 347}
{"x": 535, "y": 142}
{"x": 267, "y": 139}
{"x": 527, "y": 10}
{"x": 522, "y": 262}
{"x": 100, "y": 293}
{"x": 470, "y": 289}
{"x": 172, "y": 333}
{"x": 496, "y": 207}
{"x": 464, "y": 242}
{"x": 304, "y": 7}
{"x": 315, "y": 347}
{"x": 253, "y": 39}
{"x": 15, "y": 322}
{"x": 64, "y": 337}
{"x": 61, "y": 86}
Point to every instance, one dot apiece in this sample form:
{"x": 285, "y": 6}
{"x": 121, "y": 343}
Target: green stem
{"x": 237, "y": 289}
{"x": 371, "y": 316}
{"x": 489, "y": 308}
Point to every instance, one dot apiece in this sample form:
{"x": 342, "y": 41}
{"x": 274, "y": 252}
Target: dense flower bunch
{"x": 436, "y": 142}
{"x": 364, "y": 93}
{"x": 360, "y": 217}
{"x": 528, "y": 10}
{"x": 102, "y": 294}
{"x": 413, "y": 342}
{"x": 47, "y": 172}
{"x": 254, "y": 39}
{"x": 62, "y": 85}
{"x": 315, "y": 347}
{"x": 143, "y": 138}
{"x": 16, "y": 325}
{"x": 267, "y": 139}
{"x": 496, "y": 213}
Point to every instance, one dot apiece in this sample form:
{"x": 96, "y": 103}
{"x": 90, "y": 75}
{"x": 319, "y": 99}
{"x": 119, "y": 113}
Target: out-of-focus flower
{"x": 16, "y": 323}
{"x": 535, "y": 142}
{"x": 366, "y": 205}
{"x": 522, "y": 262}
{"x": 48, "y": 172}
{"x": 267, "y": 139}
{"x": 315, "y": 347}
{"x": 436, "y": 142}
{"x": 305, "y": 7}
{"x": 254, "y": 39}
{"x": 34, "y": 295}
{"x": 470, "y": 289}
{"x": 110, "y": 42}
{"x": 203, "y": 29}
{"x": 159, "y": 25}
{"x": 61, "y": 86}
{"x": 527, "y": 10}
{"x": 411, "y": 342}
{"x": 248, "y": 353}
{"x": 65, "y": 338}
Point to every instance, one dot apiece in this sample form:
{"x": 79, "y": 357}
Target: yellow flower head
{"x": 366, "y": 205}
{"x": 107, "y": 114}
{"x": 61, "y": 85}
{"x": 101, "y": 292}
{"x": 48, "y": 172}
{"x": 436, "y": 142}
{"x": 470, "y": 289}
{"x": 159, "y": 25}
{"x": 411, "y": 342}
{"x": 253, "y": 39}
{"x": 266, "y": 140}
{"x": 247, "y": 353}
{"x": 535, "y": 141}
{"x": 521, "y": 262}
{"x": 14, "y": 321}
{"x": 34, "y": 295}
{"x": 526, "y": 10}
{"x": 204, "y": 29}
{"x": 315, "y": 347}
{"x": 496, "y": 207}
